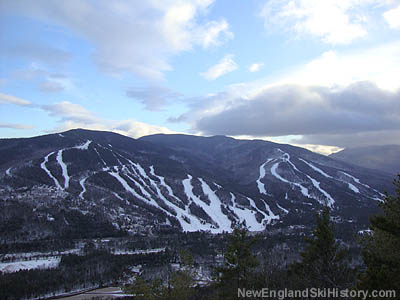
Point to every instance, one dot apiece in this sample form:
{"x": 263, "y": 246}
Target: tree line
{"x": 323, "y": 264}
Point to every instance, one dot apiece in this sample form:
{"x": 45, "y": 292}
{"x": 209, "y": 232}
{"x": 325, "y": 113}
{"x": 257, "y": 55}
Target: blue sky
{"x": 319, "y": 74}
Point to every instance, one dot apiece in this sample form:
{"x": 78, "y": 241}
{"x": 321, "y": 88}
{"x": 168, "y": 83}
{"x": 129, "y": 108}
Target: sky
{"x": 318, "y": 74}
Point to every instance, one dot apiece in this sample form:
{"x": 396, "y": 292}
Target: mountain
{"x": 84, "y": 183}
{"x": 385, "y": 158}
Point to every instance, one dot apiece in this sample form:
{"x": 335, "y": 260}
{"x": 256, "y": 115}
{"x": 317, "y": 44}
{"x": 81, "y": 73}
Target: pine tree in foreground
{"x": 239, "y": 265}
{"x": 381, "y": 249}
{"x": 324, "y": 262}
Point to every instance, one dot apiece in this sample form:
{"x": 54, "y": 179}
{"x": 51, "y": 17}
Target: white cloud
{"x": 322, "y": 149}
{"x": 256, "y": 67}
{"x": 131, "y": 36}
{"x": 9, "y": 99}
{"x": 153, "y": 97}
{"x": 380, "y": 65}
{"x": 73, "y": 115}
{"x": 325, "y": 101}
{"x": 332, "y": 21}
{"x": 16, "y": 126}
{"x": 71, "y": 112}
{"x": 214, "y": 33}
{"x": 224, "y": 66}
{"x": 393, "y": 17}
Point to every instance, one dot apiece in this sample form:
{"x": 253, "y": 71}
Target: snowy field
{"x": 48, "y": 263}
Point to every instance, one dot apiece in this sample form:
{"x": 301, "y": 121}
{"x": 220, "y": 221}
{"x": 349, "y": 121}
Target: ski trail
{"x": 104, "y": 163}
{"x": 64, "y": 168}
{"x": 127, "y": 187}
{"x": 245, "y": 214}
{"x": 315, "y": 168}
{"x": 274, "y": 172}
{"x": 214, "y": 208}
{"x": 43, "y": 166}
{"x": 316, "y": 184}
{"x": 267, "y": 218}
{"x": 286, "y": 158}
{"x": 84, "y": 146}
{"x": 188, "y": 189}
{"x": 82, "y": 183}
{"x": 350, "y": 186}
{"x": 282, "y": 208}
{"x": 261, "y": 186}
{"x": 194, "y": 223}
{"x": 363, "y": 184}
{"x": 120, "y": 198}
{"x": 163, "y": 183}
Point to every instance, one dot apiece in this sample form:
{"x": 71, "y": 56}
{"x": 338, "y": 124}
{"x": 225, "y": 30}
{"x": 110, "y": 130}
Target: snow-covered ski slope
{"x": 283, "y": 169}
{"x": 193, "y": 200}
{"x": 144, "y": 184}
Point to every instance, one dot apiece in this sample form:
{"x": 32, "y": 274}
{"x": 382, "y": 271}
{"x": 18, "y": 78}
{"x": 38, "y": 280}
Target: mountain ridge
{"x": 185, "y": 182}
{"x": 385, "y": 157}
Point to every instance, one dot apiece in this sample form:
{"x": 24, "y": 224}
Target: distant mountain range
{"x": 385, "y": 158}
{"x": 83, "y": 183}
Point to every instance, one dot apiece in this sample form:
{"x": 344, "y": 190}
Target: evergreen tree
{"x": 147, "y": 290}
{"x": 178, "y": 285}
{"x": 381, "y": 249}
{"x": 182, "y": 281}
{"x": 239, "y": 265}
{"x": 323, "y": 263}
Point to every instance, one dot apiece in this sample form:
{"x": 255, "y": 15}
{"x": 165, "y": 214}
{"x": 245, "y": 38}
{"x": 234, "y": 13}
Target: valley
{"x": 70, "y": 202}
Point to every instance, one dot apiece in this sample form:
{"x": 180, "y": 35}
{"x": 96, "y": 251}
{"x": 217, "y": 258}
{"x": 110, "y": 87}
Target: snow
{"x": 60, "y": 135}
{"x": 354, "y": 178}
{"x": 316, "y": 183}
{"x": 283, "y": 209}
{"x": 286, "y": 158}
{"x": 139, "y": 251}
{"x": 148, "y": 200}
{"x": 214, "y": 208}
{"x": 84, "y": 146}
{"x": 104, "y": 163}
{"x": 64, "y": 168}
{"x": 217, "y": 185}
{"x": 120, "y": 198}
{"x": 129, "y": 189}
{"x": 162, "y": 182}
{"x": 43, "y": 166}
{"x": 363, "y": 184}
{"x": 353, "y": 188}
{"x": 194, "y": 224}
{"x": 315, "y": 168}
{"x": 16, "y": 266}
{"x": 268, "y": 218}
{"x": 140, "y": 169}
{"x": 261, "y": 186}
{"x": 126, "y": 185}
{"x": 303, "y": 189}
{"x": 8, "y": 172}
{"x": 141, "y": 188}
{"x": 350, "y": 185}
{"x": 188, "y": 189}
{"x": 82, "y": 183}
{"x": 365, "y": 231}
{"x": 245, "y": 214}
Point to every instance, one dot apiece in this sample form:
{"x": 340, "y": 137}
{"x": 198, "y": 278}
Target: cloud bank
{"x": 128, "y": 36}
{"x": 71, "y": 115}
{"x": 338, "y": 99}
{"x": 334, "y": 22}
